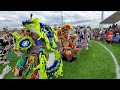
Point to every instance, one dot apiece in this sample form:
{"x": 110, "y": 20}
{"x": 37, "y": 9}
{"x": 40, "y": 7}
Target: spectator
{"x": 113, "y": 26}
{"x": 117, "y": 38}
{"x": 95, "y": 34}
{"x": 110, "y": 32}
{"x": 107, "y": 34}
{"x": 109, "y": 38}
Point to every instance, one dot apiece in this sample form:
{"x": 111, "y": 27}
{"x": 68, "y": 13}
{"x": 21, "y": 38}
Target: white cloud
{"x": 13, "y": 19}
{"x": 2, "y": 18}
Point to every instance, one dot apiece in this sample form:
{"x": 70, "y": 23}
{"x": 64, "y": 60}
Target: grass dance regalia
{"x": 66, "y": 45}
{"x": 41, "y": 58}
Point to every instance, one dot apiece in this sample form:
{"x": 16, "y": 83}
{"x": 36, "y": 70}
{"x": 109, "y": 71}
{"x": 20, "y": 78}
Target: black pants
{"x": 109, "y": 42}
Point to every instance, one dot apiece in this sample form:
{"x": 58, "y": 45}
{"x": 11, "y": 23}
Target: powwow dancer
{"x": 66, "y": 45}
{"x": 40, "y": 60}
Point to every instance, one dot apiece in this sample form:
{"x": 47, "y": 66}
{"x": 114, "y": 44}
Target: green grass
{"x": 12, "y": 63}
{"x": 95, "y": 63}
{"x": 115, "y": 48}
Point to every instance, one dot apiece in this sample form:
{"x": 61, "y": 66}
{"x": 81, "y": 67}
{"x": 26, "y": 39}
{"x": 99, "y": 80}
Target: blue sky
{"x": 13, "y": 19}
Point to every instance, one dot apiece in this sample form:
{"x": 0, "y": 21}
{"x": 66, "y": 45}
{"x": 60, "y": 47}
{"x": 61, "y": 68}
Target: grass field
{"x": 12, "y": 64}
{"x": 95, "y": 63}
{"x": 115, "y": 48}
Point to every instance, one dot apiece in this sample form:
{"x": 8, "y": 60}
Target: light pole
{"x": 62, "y": 17}
{"x": 102, "y": 17}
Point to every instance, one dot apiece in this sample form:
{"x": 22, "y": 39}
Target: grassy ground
{"x": 115, "y": 48}
{"x": 95, "y": 63}
{"x": 12, "y": 64}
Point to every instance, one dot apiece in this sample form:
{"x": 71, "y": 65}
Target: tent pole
{"x": 102, "y": 17}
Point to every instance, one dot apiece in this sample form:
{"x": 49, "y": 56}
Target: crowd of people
{"x": 111, "y": 35}
{"x": 84, "y": 35}
{"x": 6, "y": 46}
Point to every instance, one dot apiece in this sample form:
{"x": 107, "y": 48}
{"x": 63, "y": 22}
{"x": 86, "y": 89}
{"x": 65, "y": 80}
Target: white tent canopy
{"x": 112, "y": 19}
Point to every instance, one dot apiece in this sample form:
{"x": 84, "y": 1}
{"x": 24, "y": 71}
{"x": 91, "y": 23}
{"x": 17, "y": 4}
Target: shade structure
{"x": 112, "y": 19}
